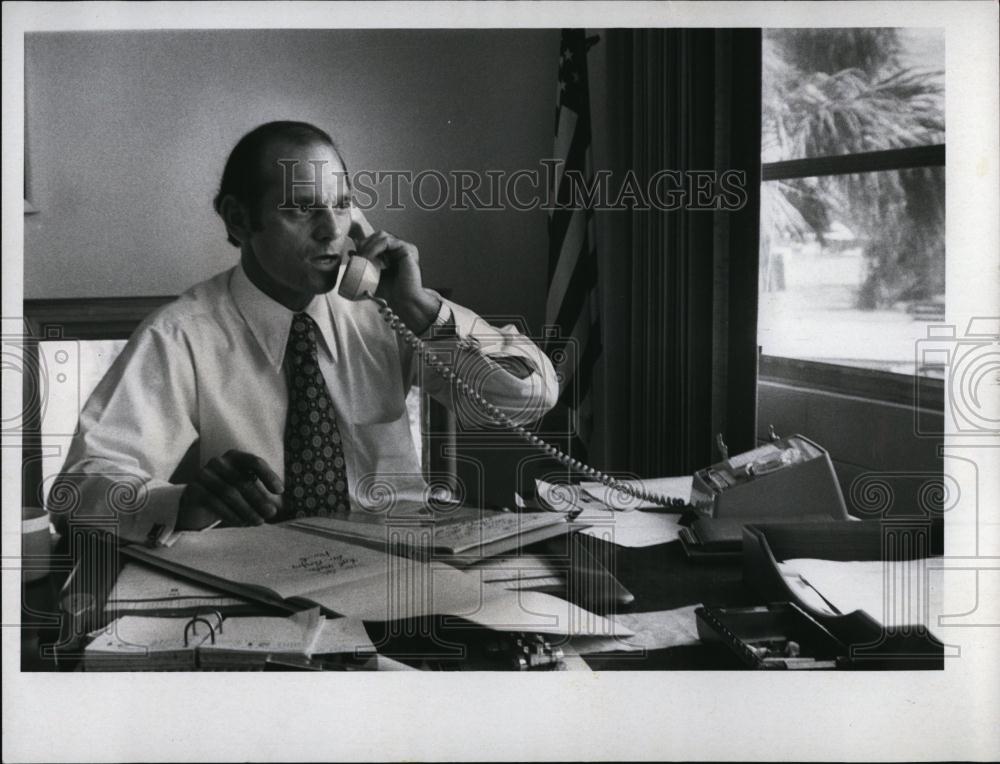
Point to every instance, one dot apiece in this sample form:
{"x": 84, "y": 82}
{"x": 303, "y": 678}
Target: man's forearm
{"x": 504, "y": 366}
{"x": 419, "y": 311}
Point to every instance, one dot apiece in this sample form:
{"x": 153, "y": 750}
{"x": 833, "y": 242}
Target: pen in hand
{"x": 237, "y": 487}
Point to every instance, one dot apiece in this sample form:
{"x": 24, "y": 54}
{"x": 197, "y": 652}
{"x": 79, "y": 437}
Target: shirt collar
{"x": 270, "y": 321}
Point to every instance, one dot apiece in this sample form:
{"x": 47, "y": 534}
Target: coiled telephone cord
{"x": 498, "y": 416}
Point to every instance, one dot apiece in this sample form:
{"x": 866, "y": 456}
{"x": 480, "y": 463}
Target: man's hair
{"x": 243, "y": 176}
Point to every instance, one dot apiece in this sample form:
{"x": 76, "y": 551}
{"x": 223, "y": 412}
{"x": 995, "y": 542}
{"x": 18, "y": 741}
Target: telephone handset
{"x": 360, "y": 280}
{"x": 361, "y": 275}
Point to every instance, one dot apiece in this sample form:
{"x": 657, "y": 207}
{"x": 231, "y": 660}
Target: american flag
{"x": 572, "y": 304}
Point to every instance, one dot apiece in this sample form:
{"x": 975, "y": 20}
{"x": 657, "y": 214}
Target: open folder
{"x": 292, "y": 567}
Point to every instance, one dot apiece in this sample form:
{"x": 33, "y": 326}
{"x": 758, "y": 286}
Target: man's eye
{"x": 305, "y": 209}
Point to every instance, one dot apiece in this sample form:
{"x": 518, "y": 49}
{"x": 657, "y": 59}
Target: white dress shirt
{"x": 204, "y": 375}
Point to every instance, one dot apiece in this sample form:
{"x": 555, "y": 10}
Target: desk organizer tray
{"x": 777, "y": 636}
{"x": 870, "y": 645}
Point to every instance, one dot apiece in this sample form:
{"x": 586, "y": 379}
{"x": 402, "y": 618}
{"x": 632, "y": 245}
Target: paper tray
{"x": 870, "y": 645}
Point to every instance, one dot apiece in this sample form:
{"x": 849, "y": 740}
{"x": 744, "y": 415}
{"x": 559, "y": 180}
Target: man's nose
{"x": 328, "y": 226}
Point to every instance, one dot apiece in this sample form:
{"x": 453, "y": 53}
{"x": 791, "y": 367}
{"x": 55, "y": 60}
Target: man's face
{"x": 303, "y": 229}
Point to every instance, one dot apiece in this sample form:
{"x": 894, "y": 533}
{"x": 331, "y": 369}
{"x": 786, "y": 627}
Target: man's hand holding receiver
{"x": 400, "y": 285}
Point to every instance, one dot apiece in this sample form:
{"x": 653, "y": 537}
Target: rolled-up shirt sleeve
{"x": 500, "y": 363}
{"x": 134, "y": 430}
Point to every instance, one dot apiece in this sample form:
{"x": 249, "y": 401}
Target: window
{"x": 852, "y": 206}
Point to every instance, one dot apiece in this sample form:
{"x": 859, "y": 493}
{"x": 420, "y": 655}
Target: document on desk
{"x": 631, "y": 529}
{"x": 268, "y": 559}
{"x": 543, "y": 614}
{"x": 143, "y": 643}
{"x": 137, "y": 643}
{"x": 273, "y": 562}
{"x": 250, "y": 640}
{"x": 141, "y": 588}
{"x": 302, "y": 635}
{"x": 520, "y": 572}
{"x": 804, "y": 592}
{"x": 654, "y": 630}
{"x": 343, "y": 636}
{"x": 904, "y": 593}
{"x": 455, "y": 532}
{"x": 414, "y": 589}
{"x": 149, "y": 643}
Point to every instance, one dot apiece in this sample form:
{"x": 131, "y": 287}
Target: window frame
{"x": 873, "y": 384}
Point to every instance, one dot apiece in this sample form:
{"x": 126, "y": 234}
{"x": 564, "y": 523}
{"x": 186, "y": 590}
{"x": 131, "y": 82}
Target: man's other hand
{"x": 237, "y": 488}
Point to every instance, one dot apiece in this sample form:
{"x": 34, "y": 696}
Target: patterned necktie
{"x": 315, "y": 477}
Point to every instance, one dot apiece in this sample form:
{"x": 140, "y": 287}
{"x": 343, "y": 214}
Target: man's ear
{"x": 236, "y": 217}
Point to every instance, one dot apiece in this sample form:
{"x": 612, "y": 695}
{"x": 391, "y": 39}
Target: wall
{"x": 127, "y": 134}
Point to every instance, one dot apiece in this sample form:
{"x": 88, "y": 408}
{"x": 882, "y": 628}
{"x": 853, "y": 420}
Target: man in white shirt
{"x": 198, "y": 419}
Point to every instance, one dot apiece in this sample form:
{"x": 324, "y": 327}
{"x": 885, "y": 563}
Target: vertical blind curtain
{"x": 690, "y": 99}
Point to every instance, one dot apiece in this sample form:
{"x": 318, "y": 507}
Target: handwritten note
{"x": 325, "y": 561}
{"x": 285, "y": 561}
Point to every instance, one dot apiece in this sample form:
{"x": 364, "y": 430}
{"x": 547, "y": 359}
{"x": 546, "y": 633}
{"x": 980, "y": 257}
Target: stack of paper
{"x": 522, "y": 572}
{"x": 467, "y": 532}
{"x": 624, "y": 528}
{"x": 144, "y": 589}
{"x": 277, "y": 564}
{"x": 894, "y": 593}
{"x": 143, "y": 643}
{"x": 244, "y": 640}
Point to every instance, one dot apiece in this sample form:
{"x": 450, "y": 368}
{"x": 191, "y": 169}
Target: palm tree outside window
{"x": 852, "y": 256}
